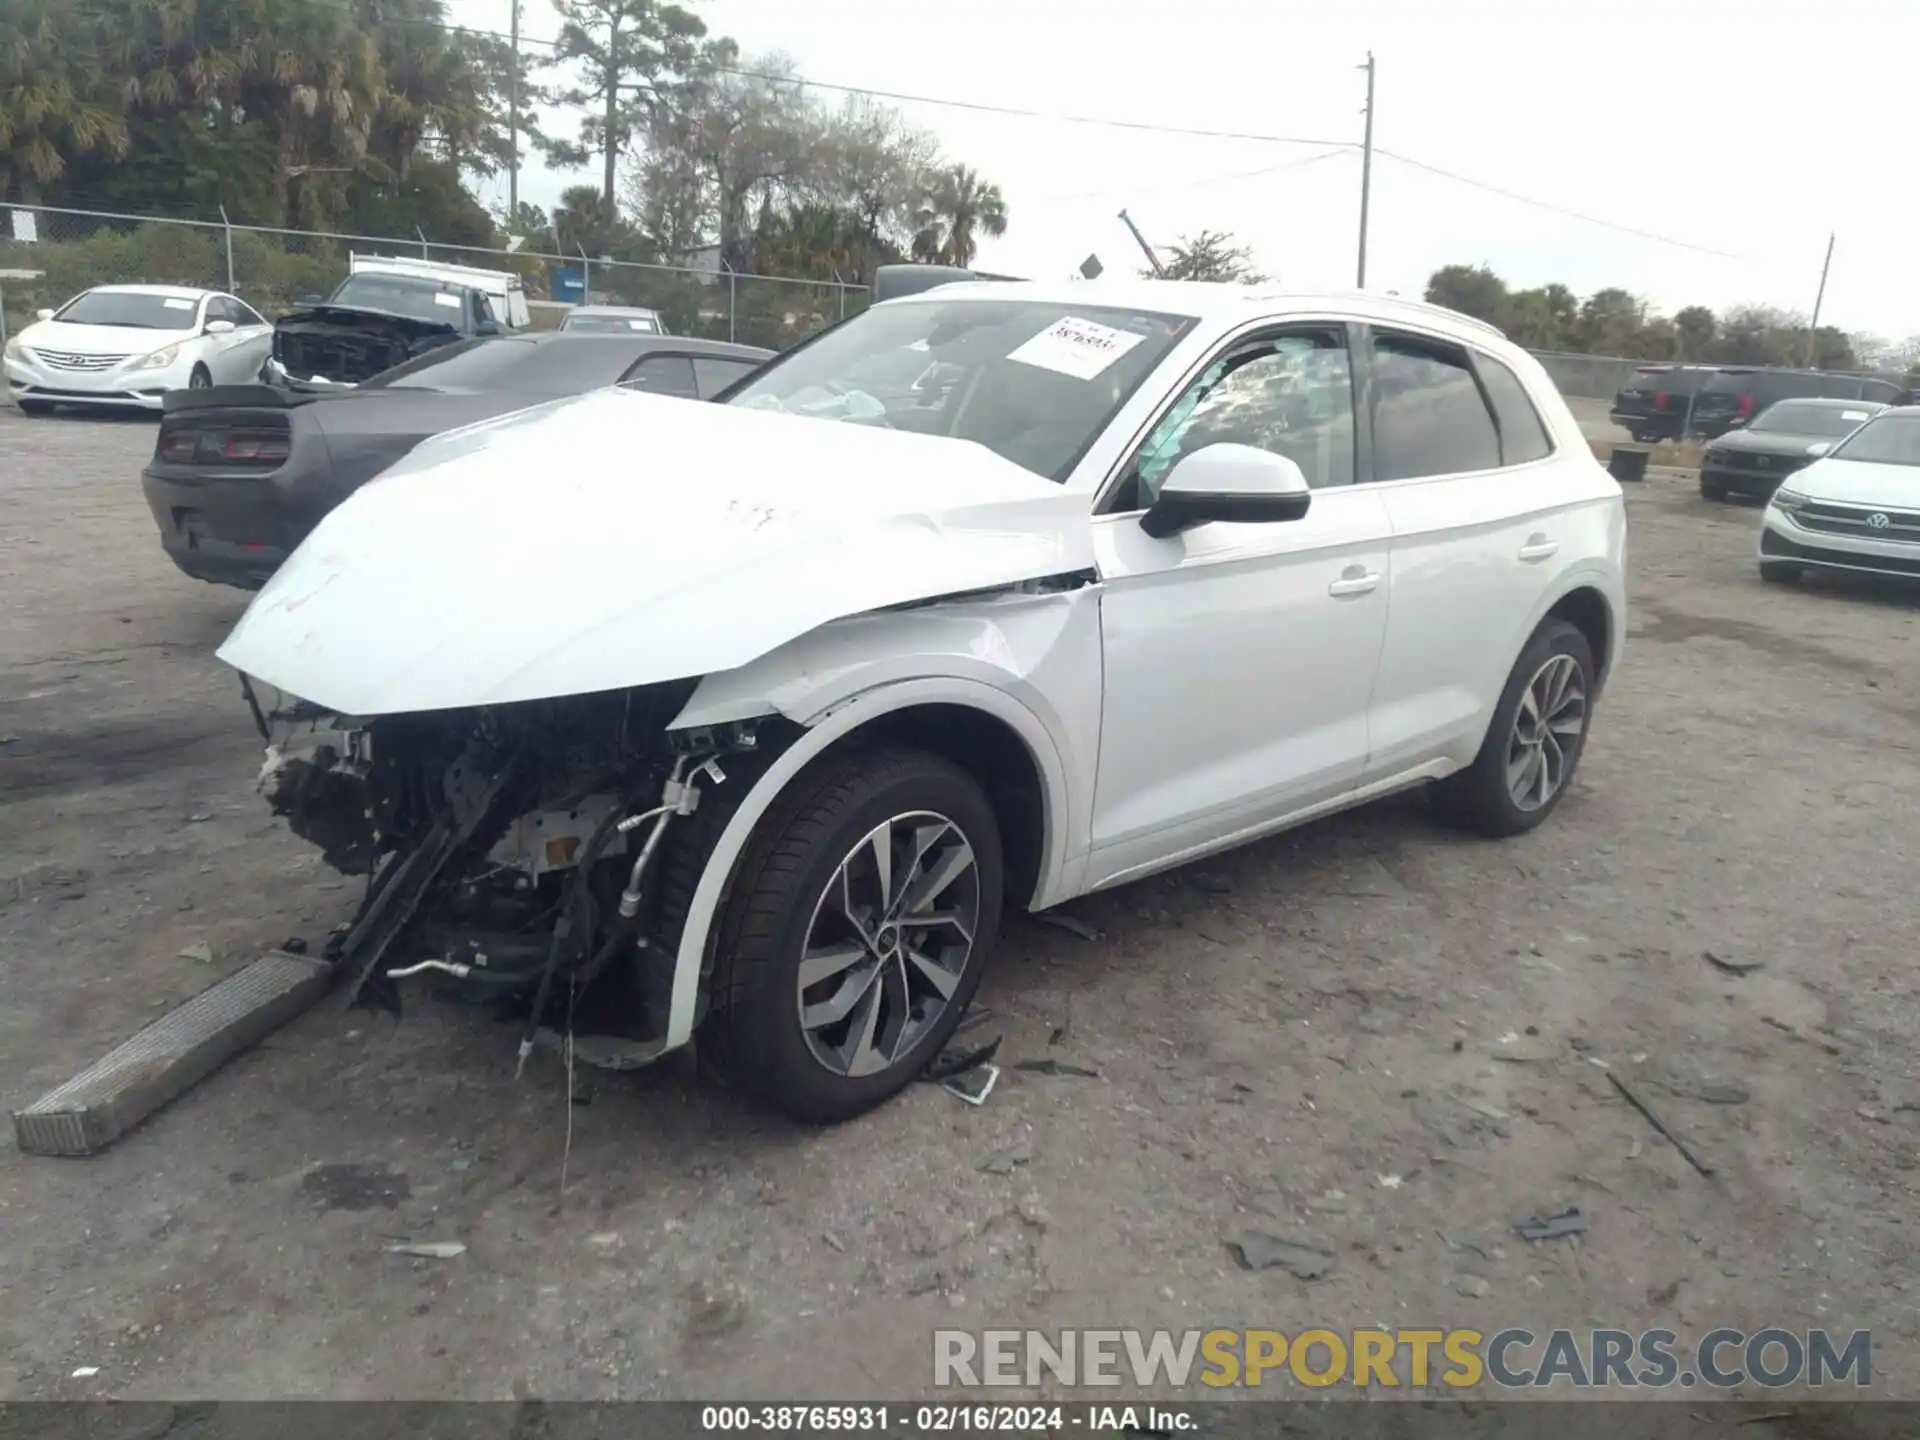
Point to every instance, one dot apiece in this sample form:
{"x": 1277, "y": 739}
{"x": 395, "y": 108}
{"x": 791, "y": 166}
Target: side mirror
{"x": 43, "y": 314}
{"x": 486, "y": 327}
{"x": 309, "y": 299}
{"x": 219, "y": 327}
{"x": 1241, "y": 484}
{"x": 1736, "y": 422}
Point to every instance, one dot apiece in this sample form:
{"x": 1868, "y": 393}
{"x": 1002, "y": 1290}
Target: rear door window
{"x": 663, "y": 375}
{"x": 1429, "y": 417}
{"x": 1523, "y": 438}
{"x": 714, "y": 374}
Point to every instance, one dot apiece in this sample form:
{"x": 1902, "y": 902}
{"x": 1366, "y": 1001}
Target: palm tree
{"x": 958, "y": 209}
{"x": 56, "y": 101}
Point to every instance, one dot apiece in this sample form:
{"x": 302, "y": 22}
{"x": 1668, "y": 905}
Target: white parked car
{"x": 613, "y": 320}
{"x": 749, "y": 719}
{"x": 126, "y": 346}
{"x": 1855, "y": 508}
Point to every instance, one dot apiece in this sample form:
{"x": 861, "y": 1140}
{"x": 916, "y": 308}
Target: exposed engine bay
{"x": 343, "y": 346}
{"x": 538, "y": 855}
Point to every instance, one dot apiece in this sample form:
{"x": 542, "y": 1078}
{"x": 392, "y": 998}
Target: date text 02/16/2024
{"x": 947, "y": 1419}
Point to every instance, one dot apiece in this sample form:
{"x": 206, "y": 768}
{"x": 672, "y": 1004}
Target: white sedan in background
{"x": 1855, "y": 508}
{"x": 126, "y": 346}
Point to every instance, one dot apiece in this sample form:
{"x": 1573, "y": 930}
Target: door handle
{"x": 1539, "y": 547}
{"x": 1352, "y": 584}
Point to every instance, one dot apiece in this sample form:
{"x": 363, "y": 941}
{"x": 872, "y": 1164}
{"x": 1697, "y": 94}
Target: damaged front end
{"x": 540, "y": 854}
{"x": 333, "y": 346}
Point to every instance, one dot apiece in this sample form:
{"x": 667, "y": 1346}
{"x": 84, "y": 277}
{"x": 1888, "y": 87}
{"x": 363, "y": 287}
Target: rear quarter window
{"x": 1523, "y": 437}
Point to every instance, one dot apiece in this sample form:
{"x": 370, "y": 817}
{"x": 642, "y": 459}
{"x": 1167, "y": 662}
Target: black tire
{"x": 1780, "y": 572}
{"x": 1646, "y": 437}
{"x": 752, "y": 1038}
{"x": 34, "y": 407}
{"x": 1479, "y": 798}
{"x": 200, "y": 379}
{"x": 1709, "y": 490}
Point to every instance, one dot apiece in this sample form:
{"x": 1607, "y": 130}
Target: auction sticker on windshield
{"x": 1853, "y": 414}
{"x": 1076, "y": 347}
{"x": 177, "y": 304}
{"x": 452, "y": 302}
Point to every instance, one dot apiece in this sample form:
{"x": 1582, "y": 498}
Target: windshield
{"x": 1889, "y": 440}
{"x": 611, "y": 324}
{"x": 135, "y": 312}
{"x": 1034, "y": 381}
{"x": 402, "y": 295}
{"x": 1797, "y": 417}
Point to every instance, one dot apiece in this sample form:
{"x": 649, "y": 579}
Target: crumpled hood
{"x": 620, "y": 539}
{"x": 356, "y": 317}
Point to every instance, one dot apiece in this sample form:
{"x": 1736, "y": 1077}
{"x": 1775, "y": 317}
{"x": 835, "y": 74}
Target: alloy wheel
{"x": 888, "y": 943}
{"x": 1547, "y": 727}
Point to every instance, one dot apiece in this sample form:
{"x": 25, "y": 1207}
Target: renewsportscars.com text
{"x": 1512, "y": 1359}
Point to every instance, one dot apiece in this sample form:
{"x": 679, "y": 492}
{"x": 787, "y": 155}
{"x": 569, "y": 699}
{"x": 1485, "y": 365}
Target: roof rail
{"x": 892, "y": 281}
{"x": 1473, "y": 320}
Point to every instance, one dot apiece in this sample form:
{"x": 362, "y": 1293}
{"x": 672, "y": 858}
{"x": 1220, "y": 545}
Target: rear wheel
{"x": 1534, "y": 742}
{"x": 864, "y": 912}
{"x": 1778, "y": 572}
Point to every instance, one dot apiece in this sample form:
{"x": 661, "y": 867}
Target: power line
{"x": 1328, "y": 154}
{"x": 1140, "y": 126}
{"x": 1547, "y": 205}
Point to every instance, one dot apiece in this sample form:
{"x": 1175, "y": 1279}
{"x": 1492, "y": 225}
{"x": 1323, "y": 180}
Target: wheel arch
{"x": 1587, "y": 609}
{"x": 988, "y": 733}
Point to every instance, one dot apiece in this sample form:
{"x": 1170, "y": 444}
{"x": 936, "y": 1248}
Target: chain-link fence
{"x": 49, "y": 255}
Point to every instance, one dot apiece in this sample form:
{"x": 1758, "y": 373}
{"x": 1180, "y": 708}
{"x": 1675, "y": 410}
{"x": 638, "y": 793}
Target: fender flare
{"x": 831, "y": 727}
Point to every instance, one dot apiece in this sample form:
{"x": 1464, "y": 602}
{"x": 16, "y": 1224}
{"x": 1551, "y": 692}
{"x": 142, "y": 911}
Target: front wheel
{"x": 1710, "y": 490}
{"x": 864, "y": 912}
{"x": 200, "y": 379}
{"x": 1774, "y": 572}
{"x": 34, "y": 407}
{"x": 1534, "y": 742}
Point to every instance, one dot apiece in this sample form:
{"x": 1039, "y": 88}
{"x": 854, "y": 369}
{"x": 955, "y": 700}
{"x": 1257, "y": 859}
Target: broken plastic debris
{"x": 1257, "y": 1250}
{"x": 950, "y": 1063}
{"x": 201, "y": 951}
{"x": 1735, "y": 968}
{"x": 1067, "y": 923}
{"x": 1389, "y": 1182}
{"x": 1056, "y": 1067}
{"x": 1552, "y": 1227}
{"x": 1005, "y": 1162}
{"x": 429, "y": 1249}
{"x": 974, "y": 1085}
{"x": 86, "y": 1372}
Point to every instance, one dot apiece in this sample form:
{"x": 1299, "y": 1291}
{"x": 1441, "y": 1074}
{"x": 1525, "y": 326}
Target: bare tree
{"x": 1211, "y": 255}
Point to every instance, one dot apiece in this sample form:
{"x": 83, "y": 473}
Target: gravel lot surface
{"x": 1370, "y": 1032}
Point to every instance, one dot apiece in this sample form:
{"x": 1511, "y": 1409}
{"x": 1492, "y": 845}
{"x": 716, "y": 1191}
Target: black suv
{"x": 1737, "y": 393}
{"x": 1654, "y": 403}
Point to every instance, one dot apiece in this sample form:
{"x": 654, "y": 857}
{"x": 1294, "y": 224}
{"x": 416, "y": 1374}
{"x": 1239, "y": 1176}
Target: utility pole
{"x": 1141, "y": 241}
{"x": 1366, "y": 174}
{"x": 1813, "y": 326}
{"x": 513, "y": 122}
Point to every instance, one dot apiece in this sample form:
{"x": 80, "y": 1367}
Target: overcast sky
{"x": 1745, "y": 132}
